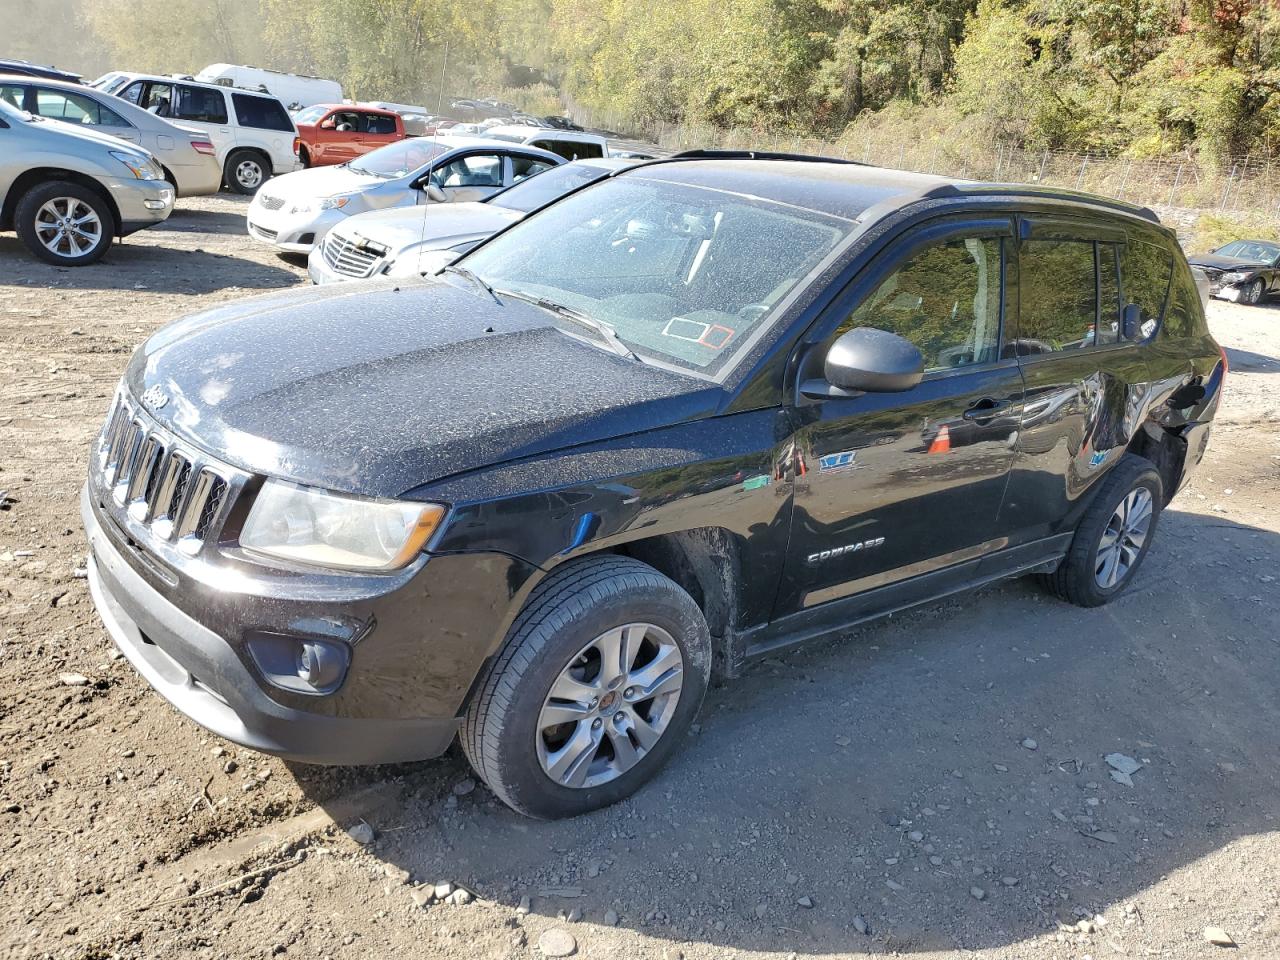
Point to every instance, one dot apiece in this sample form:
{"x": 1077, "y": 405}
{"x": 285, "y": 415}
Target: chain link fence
{"x": 1242, "y": 185}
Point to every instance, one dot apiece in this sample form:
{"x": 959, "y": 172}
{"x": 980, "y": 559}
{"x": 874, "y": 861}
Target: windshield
{"x": 537, "y": 191}
{"x": 686, "y": 275}
{"x": 310, "y": 115}
{"x": 1252, "y": 250}
{"x": 109, "y": 82}
{"x": 398, "y": 159}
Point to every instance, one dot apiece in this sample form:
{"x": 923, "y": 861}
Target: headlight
{"x": 142, "y": 169}
{"x": 307, "y": 525}
{"x": 327, "y": 203}
{"x": 1234, "y": 277}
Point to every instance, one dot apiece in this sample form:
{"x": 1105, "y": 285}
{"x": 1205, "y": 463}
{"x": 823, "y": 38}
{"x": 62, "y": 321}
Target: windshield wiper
{"x": 474, "y": 278}
{"x": 610, "y": 336}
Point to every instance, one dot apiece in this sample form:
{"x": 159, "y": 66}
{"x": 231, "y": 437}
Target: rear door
{"x": 1084, "y": 368}
{"x": 893, "y": 486}
{"x": 377, "y": 130}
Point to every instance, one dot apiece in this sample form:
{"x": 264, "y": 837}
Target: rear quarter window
{"x": 1185, "y": 315}
{"x": 261, "y": 113}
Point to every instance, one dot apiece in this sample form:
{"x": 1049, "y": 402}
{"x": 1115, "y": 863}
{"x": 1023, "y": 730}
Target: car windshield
{"x": 686, "y": 276}
{"x": 398, "y": 159}
{"x": 310, "y": 115}
{"x": 1252, "y": 250}
{"x": 537, "y": 191}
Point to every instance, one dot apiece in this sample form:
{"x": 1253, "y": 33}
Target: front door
{"x": 891, "y": 486}
{"x": 471, "y": 177}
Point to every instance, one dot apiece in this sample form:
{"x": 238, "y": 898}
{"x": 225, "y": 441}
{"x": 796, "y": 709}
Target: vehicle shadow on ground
{"x": 886, "y": 775}
{"x": 145, "y": 267}
{"x": 194, "y": 220}
{"x": 1246, "y": 361}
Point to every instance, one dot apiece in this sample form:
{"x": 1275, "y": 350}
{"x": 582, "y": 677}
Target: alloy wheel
{"x": 249, "y": 174}
{"x": 1253, "y": 293}
{"x": 1123, "y": 538}
{"x": 68, "y": 227}
{"x": 610, "y": 705}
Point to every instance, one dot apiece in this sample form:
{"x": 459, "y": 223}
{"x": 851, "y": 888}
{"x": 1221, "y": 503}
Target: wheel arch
{"x": 1166, "y": 450}
{"x": 38, "y": 175}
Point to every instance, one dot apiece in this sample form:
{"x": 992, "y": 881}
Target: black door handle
{"x": 985, "y": 409}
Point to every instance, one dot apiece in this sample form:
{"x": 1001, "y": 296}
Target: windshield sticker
{"x": 713, "y": 335}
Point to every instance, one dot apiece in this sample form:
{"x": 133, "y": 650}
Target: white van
{"x": 294, "y": 90}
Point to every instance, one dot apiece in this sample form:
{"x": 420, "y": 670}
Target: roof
{"x": 27, "y": 68}
{"x": 524, "y": 130}
{"x": 366, "y": 107}
{"x": 848, "y": 189}
{"x": 191, "y": 81}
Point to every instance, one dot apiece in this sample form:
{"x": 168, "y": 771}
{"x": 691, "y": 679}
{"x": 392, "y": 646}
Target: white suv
{"x": 252, "y": 133}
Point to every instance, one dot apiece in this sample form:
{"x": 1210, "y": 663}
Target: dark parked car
{"x": 1246, "y": 271}
{"x": 24, "y": 68}
{"x": 661, "y": 426}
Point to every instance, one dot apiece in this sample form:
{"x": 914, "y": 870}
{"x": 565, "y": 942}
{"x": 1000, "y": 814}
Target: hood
{"x": 378, "y": 388}
{"x": 1217, "y": 262}
{"x": 433, "y": 224}
{"x": 318, "y": 182}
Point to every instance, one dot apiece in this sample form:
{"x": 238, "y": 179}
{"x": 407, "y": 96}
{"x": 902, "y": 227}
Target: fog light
{"x": 153, "y": 204}
{"x": 301, "y": 665}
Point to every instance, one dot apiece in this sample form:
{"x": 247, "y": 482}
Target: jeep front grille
{"x": 349, "y": 259}
{"x": 151, "y": 482}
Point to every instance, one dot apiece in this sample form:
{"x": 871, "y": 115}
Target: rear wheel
{"x": 246, "y": 171}
{"x": 64, "y": 223}
{"x": 1113, "y": 536}
{"x": 600, "y": 676}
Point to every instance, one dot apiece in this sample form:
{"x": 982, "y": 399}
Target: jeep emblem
{"x": 155, "y": 397}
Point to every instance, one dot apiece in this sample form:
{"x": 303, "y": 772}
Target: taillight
{"x": 297, "y": 146}
{"x": 1226, "y": 367}
{"x": 203, "y": 146}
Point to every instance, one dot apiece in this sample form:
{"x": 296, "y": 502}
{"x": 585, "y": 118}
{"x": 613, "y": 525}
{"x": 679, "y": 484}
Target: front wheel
{"x": 599, "y": 679}
{"x": 1113, "y": 536}
{"x": 246, "y": 171}
{"x": 64, "y": 223}
{"x": 1252, "y": 294}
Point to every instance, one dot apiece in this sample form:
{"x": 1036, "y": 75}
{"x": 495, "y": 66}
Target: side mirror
{"x": 866, "y": 360}
{"x": 434, "y": 193}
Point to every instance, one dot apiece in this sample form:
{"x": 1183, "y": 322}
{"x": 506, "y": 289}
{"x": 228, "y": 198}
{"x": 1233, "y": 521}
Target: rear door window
{"x": 570, "y": 149}
{"x": 379, "y": 125}
{"x": 261, "y": 113}
{"x": 201, "y": 105}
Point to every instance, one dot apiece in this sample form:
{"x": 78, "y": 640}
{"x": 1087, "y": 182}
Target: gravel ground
{"x": 932, "y": 785}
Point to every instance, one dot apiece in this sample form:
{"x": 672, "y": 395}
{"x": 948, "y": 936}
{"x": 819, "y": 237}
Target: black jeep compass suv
{"x": 702, "y": 409}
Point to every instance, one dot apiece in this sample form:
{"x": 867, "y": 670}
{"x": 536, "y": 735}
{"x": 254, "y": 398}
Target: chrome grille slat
{"x": 343, "y": 256}
{"x": 157, "y": 486}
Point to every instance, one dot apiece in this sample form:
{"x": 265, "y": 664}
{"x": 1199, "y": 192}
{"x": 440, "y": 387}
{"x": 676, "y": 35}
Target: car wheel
{"x": 246, "y": 171}
{"x": 304, "y": 157}
{"x": 65, "y": 223}
{"x": 1253, "y": 293}
{"x": 1112, "y": 537}
{"x": 600, "y": 676}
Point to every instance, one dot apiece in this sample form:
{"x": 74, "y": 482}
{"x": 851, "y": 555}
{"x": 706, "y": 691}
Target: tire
{"x": 1252, "y": 294}
{"x": 506, "y": 736}
{"x": 172, "y": 181}
{"x": 1083, "y": 577}
{"x": 41, "y": 219}
{"x": 246, "y": 171}
{"x": 304, "y": 156}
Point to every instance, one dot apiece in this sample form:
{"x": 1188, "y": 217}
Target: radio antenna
{"x": 435, "y": 141}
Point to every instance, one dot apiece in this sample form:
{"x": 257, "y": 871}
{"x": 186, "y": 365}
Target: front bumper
{"x": 404, "y": 666}
{"x": 142, "y": 203}
{"x": 291, "y": 232}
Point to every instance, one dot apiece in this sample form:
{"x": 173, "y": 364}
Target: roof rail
{"x": 971, "y": 188}
{"x": 757, "y": 155}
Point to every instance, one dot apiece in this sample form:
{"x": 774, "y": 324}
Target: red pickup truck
{"x": 331, "y": 133}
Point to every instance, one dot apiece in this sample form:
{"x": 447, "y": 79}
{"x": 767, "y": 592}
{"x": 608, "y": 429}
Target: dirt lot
{"x": 934, "y": 785}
